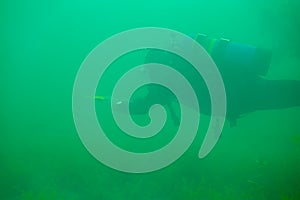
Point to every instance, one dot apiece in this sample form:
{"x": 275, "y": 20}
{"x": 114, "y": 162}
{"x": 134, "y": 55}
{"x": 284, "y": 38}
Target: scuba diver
{"x": 243, "y": 69}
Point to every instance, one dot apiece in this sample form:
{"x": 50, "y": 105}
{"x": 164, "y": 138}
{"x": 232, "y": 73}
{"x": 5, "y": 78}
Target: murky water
{"x": 42, "y": 47}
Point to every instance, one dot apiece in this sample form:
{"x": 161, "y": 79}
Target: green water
{"x": 43, "y": 44}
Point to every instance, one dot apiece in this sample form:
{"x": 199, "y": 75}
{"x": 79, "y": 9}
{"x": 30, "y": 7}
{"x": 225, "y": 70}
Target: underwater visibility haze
{"x": 254, "y": 44}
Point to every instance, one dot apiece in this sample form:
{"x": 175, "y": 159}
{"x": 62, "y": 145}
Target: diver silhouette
{"x": 243, "y": 69}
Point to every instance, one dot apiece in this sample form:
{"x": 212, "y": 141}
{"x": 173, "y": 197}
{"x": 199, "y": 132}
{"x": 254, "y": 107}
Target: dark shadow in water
{"x": 243, "y": 69}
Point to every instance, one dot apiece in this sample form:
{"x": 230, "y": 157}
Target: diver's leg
{"x": 276, "y": 94}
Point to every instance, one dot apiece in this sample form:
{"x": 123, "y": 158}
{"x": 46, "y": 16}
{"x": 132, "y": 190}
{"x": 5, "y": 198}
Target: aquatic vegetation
{"x": 48, "y": 194}
{"x": 296, "y": 139}
{"x": 287, "y": 197}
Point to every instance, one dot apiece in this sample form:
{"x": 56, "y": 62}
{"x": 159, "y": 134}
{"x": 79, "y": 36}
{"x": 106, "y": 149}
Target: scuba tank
{"x": 236, "y": 58}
